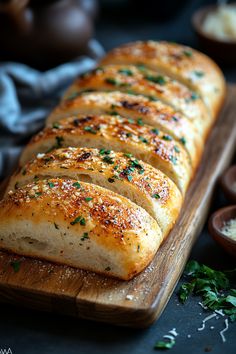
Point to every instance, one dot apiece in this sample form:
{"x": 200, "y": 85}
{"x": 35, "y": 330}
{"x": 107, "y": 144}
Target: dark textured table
{"x": 31, "y": 332}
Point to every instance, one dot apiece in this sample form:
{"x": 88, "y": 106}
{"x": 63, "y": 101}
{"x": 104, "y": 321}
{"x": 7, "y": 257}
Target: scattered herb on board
{"x": 165, "y": 344}
{"x": 15, "y": 265}
{"x": 85, "y": 236}
{"x": 215, "y": 288}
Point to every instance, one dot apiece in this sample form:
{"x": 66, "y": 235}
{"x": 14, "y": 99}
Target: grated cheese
{"x": 229, "y": 229}
{"x": 222, "y": 23}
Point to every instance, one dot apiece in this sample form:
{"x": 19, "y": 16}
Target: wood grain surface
{"x": 46, "y": 286}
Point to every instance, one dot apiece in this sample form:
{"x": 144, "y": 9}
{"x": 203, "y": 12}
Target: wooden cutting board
{"x": 137, "y": 303}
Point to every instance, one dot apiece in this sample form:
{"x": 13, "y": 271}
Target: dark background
{"x": 32, "y": 332}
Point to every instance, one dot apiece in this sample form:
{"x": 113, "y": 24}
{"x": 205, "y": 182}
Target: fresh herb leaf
{"x": 164, "y": 344}
{"x": 108, "y": 160}
{"x": 51, "y": 184}
{"x": 77, "y": 220}
{"x": 126, "y": 72}
{"x": 104, "y": 152}
{"x": 156, "y": 196}
{"x": 87, "y": 199}
{"x": 77, "y": 185}
{"x": 16, "y": 266}
{"x": 156, "y": 79}
{"x": 167, "y": 137}
{"x": 85, "y": 236}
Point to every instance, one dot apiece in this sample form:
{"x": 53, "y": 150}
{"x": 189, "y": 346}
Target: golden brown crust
{"x": 140, "y": 182}
{"x": 183, "y": 63}
{"x": 120, "y": 134}
{"x": 139, "y": 108}
{"x": 107, "y": 224}
{"x": 145, "y": 82}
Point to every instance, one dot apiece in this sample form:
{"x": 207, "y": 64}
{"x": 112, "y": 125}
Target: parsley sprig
{"x": 215, "y": 288}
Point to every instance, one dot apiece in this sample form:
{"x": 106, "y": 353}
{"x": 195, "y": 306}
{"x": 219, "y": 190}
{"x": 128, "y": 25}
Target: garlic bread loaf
{"x": 102, "y": 185}
{"x": 83, "y": 226}
{"x": 139, "y": 108}
{"x": 119, "y": 134}
{"x": 182, "y": 63}
{"x": 122, "y": 173}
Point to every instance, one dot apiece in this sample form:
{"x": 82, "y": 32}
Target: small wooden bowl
{"x": 223, "y": 51}
{"x": 227, "y": 181}
{"x": 215, "y": 224}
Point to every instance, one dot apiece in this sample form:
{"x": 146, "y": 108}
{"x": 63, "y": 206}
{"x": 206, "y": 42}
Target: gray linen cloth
{"x": 26, "y": 98}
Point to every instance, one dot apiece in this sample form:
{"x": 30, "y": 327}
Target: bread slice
{"x": 54, "y": 220}
{"x": 144, "y": 82}
{"x": 139, "y": 108}
{"x": 192, "y": 68}
{"x": 119, "y": 134}
{"x": 134, "y": 179}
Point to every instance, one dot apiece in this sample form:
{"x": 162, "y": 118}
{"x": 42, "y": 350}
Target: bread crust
{"x": 118, "y": 134}
{"x": 185, "y": 64}
{"x": 51, "y": 219}
{"x": 139, "y": 108}
{"x": 132, "y": 178}
{"x": 148, "y": 83}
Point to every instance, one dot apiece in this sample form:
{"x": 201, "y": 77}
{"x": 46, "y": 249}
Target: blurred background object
{"x": 45, "y": 33}
{"x": 215, "y": 26}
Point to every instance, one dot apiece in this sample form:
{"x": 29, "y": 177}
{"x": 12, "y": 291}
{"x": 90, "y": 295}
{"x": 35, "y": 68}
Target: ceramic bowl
{"x": 220, "y": 50}
{"x": 228, "y": 183}
{"x": 216, "y": 222}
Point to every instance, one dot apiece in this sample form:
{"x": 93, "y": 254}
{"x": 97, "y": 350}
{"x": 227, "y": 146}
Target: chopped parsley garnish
{"x": 212, "y": 285}
{"x": 110, "y": 80}
{"x": 77, "y": 185}
{"x": 56, "y": 125}
{"x": 90, "y": 130}
{"x": 126, "y": 72}
{"x": 59, "y": 141}
{"x": 113, "y": 113}
{"x": 199, "y": 73}
{"x": 176, "y": 148}
{"x": 51, "y": 184}
{"x": 56, "y": 226}
{"x": 167, "y": 137}
{"x": 155, "y": 131}
{"x": 87, "y": 199}
{"x": 104, "y": 152}
{"x": 141, "y": 67}
{"x": 108, "y": 160}
{"x": 156, "y": 196}
{"x": 72, "y": 95}
{"x": 140, "y": 121}
{"x": 77, "y": 220}
{"x": 173, "y": 159}
{"x": 156, "y": 79}
{"x": 85, "y": 236}
{"x": 194, "y": 96}
{"x": 129, "y": 177}
{"x": 128, "y": 155}
{"x": 188, "y": 53}
{"x": 183, "y": 140}
{"x": 167, "y": 344}
{"x": 131, "y": 121}
{"x": 144, "y": 140}
{"x": 16, "y": 266}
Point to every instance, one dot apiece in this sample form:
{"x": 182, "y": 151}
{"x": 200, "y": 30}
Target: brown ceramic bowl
{"x": 215, "y": 224}
{"x": 228, "y": 183}
{"x": 220, "y": 50}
